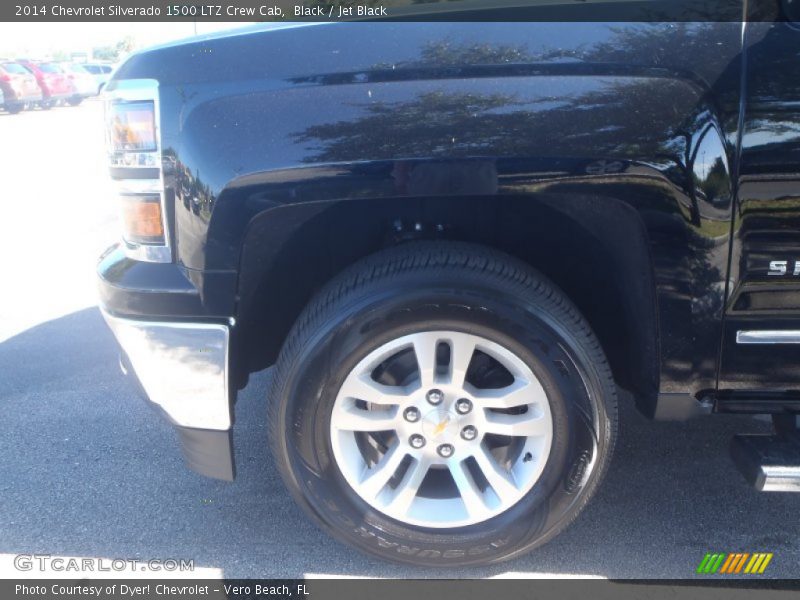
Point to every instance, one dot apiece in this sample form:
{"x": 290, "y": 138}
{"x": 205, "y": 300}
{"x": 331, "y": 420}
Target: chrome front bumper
{"x": 183, "y": 368}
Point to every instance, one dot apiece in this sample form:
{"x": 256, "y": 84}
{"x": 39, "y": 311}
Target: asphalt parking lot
{"x": 88, "y": 470}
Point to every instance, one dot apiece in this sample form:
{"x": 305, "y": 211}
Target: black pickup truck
{"x": 457, "y": 242}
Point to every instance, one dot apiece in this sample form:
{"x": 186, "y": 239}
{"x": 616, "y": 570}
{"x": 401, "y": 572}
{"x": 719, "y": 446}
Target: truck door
{"x": 760, "y": 359}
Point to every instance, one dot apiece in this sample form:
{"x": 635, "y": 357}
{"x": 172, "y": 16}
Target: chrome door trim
{"x": 768, "y": 336}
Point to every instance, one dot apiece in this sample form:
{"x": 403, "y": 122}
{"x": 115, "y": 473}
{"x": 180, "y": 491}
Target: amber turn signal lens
{"x": 142, "y": 222}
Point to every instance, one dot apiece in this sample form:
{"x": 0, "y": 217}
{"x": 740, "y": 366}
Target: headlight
{"x": 134, "y": 156}
{"x": 132, "y": 126}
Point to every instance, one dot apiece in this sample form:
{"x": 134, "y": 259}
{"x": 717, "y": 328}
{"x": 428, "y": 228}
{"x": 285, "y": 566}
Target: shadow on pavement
{"x": 88, "y": 469}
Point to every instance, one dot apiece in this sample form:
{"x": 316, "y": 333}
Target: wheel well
{"x": 594, "y": 248}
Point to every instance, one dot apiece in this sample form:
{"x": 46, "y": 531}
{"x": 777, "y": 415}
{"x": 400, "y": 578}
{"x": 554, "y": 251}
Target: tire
{"x": 75, "y": 101}
{"x": 46, "y": 104}
{"x": 14, "y": 108}
{"x": 527, "y": 334}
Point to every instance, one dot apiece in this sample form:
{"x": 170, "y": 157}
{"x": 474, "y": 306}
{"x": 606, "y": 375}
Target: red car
{"x": 18, "y": 87}
{"x": 52, "y": 80}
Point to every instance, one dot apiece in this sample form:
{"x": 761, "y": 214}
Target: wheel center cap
{"x": 439, "y": 425}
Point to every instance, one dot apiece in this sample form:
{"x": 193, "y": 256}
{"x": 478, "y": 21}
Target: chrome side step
{"x": 771, "y": 463}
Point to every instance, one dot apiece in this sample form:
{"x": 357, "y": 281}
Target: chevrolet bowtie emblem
{"x": 441, "y": 426}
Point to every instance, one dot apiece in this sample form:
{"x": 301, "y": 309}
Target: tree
{"x": 125, "y": 46}
{"x": 104, "y": 53}
{"x": 113, "y": 53}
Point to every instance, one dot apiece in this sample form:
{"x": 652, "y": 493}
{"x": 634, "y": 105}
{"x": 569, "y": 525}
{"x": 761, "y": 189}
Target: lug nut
{"x": 416, "y": 441}
{"x": 469, "y": 433}
{"x": 435, "y": 397}
{"x": 411, "y": 414}
{"x": 463, "y": 406}
{"x": 445, "y": 450}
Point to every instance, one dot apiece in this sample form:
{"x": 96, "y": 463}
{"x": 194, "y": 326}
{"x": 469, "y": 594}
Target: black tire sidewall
{"x": 536, "y": 330}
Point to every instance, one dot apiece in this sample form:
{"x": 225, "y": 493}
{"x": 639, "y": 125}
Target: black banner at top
{"x": 398, "y": 10}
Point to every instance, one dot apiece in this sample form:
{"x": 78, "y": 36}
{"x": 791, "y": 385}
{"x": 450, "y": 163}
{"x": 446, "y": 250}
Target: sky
{"x": 39, "y": 39}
